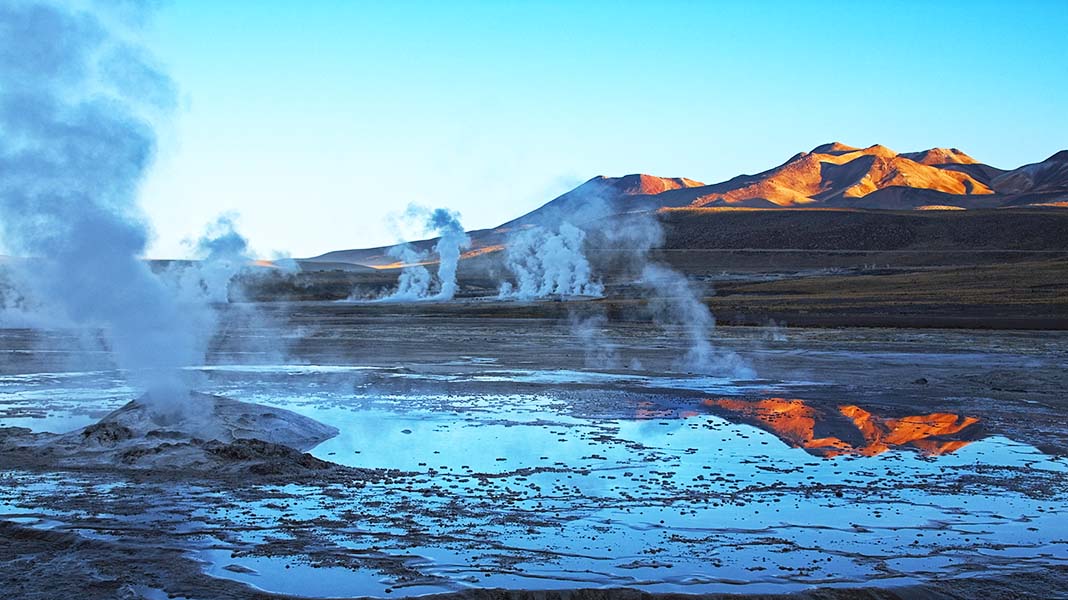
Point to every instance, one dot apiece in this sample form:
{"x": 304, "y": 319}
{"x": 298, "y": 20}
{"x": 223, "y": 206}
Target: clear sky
{"x": 316, "y": 120}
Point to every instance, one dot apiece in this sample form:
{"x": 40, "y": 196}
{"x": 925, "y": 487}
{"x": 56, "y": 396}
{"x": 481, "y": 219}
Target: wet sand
{"x": 485, "y": 457}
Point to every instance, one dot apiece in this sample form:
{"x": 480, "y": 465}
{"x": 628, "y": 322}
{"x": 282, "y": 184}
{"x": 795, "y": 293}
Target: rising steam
{"x": 676, "y": 304}
{"x": 415, "y": 282}
{"x": 547, "y": 263}
{"x": 677, "y": 307}
{"x": 598, "y": 349}
{"x": 452, "y": 241}
{"x": 222, "y": 253}
{"x": 76, "y": 105}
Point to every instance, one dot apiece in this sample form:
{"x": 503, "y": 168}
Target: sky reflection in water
{"x": 550, "y": 489}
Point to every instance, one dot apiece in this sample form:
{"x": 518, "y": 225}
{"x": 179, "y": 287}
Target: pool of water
{"x": 561, "y": 479}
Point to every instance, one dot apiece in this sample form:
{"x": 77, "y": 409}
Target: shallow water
{"x": 521, "y": 478}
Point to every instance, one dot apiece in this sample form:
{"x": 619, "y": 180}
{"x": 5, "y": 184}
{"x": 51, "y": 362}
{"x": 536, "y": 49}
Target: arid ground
{"x": 981, "y": 269}
{"x": 488, "y": 456}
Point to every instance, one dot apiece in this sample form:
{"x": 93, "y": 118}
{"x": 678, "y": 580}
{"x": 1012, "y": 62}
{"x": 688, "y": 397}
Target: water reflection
{"x": 849, "y": 429}
{"x": 539, "y": 484}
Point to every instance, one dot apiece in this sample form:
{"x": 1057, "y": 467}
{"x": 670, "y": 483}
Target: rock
{"x": 105, "y": 434}
{"x": 240, "y": 569}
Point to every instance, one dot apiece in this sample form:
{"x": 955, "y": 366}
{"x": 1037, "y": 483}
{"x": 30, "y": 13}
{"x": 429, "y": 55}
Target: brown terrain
{"x": 830, "y": 176}
{"x": 835, "y": 236}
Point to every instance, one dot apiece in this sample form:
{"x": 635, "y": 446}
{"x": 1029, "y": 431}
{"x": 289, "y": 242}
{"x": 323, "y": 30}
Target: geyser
{"x": 415, "y": 282}
{"x": 675, "y": 302}
{"x": 549, "y": 263}
{"x": 223, "y": 253}
{"x": 76, "y": 105}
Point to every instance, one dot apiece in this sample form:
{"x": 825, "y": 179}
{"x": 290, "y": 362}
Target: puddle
{"x": 559, "y": 487}
{"x": 289, "y": 576}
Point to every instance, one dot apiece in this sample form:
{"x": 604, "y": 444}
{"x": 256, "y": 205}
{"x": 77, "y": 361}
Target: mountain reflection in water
{"x": 837, "y": 430}
{"x": 849, "y": 429}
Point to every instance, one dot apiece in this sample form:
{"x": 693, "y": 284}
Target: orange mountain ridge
{"x": 941, "y": 156}
{"x": 635, "y": 185}
{"x": 837, "y": 172}
{"x": 830, "y": 176}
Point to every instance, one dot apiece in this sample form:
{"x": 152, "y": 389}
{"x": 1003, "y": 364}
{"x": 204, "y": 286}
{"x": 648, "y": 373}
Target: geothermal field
{"x": 466, "y": 454}
{"x": 842, "y": 377}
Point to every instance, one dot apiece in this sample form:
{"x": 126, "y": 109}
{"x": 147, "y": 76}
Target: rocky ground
{"x": 487, "y": 457}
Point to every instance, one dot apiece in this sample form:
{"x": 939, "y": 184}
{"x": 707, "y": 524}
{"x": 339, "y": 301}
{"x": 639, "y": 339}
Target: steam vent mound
{"x": 221, "y": 419}
{"x": 211, "y": 435}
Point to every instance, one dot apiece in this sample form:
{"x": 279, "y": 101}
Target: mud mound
{"x": 265, "y": 458}
{"x": 215, "y": 435}
{"x": 248, "y": 456}
{"x": 209, "y": 417}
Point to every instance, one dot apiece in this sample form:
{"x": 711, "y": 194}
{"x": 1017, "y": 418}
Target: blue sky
{"x": 314, "y": 121}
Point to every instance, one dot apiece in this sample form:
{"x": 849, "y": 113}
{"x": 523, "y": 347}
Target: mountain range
{"x": 830, "y": 176}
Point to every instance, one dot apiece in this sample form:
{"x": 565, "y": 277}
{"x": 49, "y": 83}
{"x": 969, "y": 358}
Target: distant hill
{"x": 830, "y": 176}
{"x": 838, "y": 175}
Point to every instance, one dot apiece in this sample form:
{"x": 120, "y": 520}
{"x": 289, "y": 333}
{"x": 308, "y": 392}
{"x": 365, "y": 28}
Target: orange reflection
{"x": 850, "y": 430}
{"x": 884, "y": 433}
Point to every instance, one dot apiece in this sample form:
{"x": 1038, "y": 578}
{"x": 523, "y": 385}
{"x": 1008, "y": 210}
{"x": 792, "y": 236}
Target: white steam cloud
{"x": 222, "y": 253}
{"x": 415, "y": 279}
{"x": 415, "y": 282}
{"x": 199, "y": 287}
{"x": 76, "y": 104}
{"x": 452, "y": 241}
{"x": 547, "y": 263}
{"x": 675, "y": 302}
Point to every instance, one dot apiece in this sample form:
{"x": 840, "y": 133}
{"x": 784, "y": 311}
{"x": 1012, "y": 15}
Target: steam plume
{"x": 675, "y": 302}
{"x": 545, "y": 263}
{"x": 222, "y": 253}
{"x": 677, "y": 306}
{"x": 75, "y": 141}
{"x": 599, "y": 352}
{"x": 541, "y": 261}
{"x": 415, "y": 282}
{"x": 453, "y": 239}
